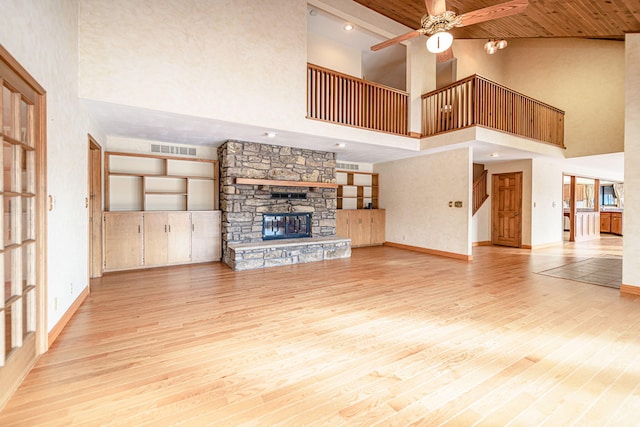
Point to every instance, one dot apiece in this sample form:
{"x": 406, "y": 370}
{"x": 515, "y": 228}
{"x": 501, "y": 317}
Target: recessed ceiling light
{"x": 348, "y": 27}
{"x": 494, "y": 155}
{"x": 341, "y": 145}
{"x": 270, "y": 134}
{"x": 313, "y": 12}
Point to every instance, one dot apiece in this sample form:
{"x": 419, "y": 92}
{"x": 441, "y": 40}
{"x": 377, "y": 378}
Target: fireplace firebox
{"x": 286, "y": 225}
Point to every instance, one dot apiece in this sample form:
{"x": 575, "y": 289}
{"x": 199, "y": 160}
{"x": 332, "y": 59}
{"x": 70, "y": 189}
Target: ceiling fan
{"x": 438, "y": 21}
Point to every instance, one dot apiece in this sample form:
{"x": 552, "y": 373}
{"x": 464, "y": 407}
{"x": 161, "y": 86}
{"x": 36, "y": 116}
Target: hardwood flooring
{"x": 388, "y": 337}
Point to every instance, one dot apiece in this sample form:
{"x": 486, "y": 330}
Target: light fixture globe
{"x": 439, "y": 42}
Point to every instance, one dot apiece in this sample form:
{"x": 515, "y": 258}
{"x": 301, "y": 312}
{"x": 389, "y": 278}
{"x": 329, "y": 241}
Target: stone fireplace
{"x": 244, "y": 205}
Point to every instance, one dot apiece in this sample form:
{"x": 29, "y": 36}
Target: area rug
{"x": 603, "y": 271}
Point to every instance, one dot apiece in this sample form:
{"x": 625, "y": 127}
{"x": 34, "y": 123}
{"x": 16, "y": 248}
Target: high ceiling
{"x": 602, "y": 19}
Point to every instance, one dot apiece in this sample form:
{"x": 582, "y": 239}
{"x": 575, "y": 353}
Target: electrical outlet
{"x": 55, "y": 304}
{"x": 71, "y": 288}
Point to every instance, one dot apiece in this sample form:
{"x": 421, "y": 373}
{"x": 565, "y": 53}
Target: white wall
{"x": 631, "y": 221}
{"x": 333, "y": 55}
{"x": 481, "y": 222}
{"x": 242, "y": 61}
{"x": 416, "y": 193}
{"x": 43, "y": 36}
{"x": 546, "y": 208}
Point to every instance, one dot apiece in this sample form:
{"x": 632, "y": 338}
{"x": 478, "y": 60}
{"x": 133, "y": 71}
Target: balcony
{"x": 338, "y": 98}
{"x": 476, "y": 101}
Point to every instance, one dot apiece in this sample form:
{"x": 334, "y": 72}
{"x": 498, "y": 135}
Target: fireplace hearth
{"x": 286, "y": 225}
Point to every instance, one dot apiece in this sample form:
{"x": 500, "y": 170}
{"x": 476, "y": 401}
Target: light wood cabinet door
{"x": 122, "y": 240}
{"x": 178, "y": 237}
{"x": 360, "y": 227}
{"x": 342, "y": 223}
{"x": 205, "y": 236}
{"x": 155, "y": 239}
{"x": 378, "y": 218}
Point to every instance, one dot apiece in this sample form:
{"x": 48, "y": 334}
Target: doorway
{"x": 94, "y": 205}
{"x": 506, "y": 208}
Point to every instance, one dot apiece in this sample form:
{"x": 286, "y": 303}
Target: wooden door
{"x": 342, "y": 223}
{"x": 95, "y": 209}
{"x": 122, "y": 240}
{"x": 205, "y": 236}
{"x": 178, "y": 237}
{"x": 155, "y": 238}
{"x": 378, "y": 219}
{"x": 23, "y": 324}
{"x": 360, "y": 227}
{"x": 506, "y": 209}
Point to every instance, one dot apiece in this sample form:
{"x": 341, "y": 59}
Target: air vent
{"x": 348, "y": 166}
{"x": 173, "y": 149}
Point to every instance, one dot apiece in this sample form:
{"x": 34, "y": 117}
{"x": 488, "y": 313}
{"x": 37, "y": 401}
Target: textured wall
{"x": 416, "y": 193}
{"x": 43, "y": 36}
{"x": 237, "y": 60}
{"x": 631, "y": 220}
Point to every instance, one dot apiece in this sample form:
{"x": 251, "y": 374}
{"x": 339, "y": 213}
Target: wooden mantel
{"x": 252, "y": 181}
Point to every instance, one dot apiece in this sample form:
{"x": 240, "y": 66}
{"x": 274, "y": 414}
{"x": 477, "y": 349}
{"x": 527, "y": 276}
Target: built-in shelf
{"x": 357, "y": 190}
{"x": 140, "y": 182}
{"x": 273, "y": 182}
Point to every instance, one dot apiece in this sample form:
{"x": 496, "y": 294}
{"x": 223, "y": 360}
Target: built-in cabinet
{"x": 611, "y": 222}
{"x": 152, "y": 239}
{"x": 159, "y": 211}
{"x": 365, "y": 227}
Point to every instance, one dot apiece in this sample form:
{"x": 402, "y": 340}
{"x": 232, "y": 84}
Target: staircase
{"x": 480, "y": 191}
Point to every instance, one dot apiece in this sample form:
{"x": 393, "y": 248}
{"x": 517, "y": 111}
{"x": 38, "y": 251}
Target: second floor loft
{"x": 474, "y": 101}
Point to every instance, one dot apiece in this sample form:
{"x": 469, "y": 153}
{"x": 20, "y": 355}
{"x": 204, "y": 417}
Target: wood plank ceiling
{"x": 601, "y": 19}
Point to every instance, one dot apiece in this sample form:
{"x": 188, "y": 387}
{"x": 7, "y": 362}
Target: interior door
{"x": 506, "y": 209}
{"x": 23, "y": 327}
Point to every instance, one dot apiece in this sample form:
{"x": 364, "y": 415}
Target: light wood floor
{"x": 388, "y": 337}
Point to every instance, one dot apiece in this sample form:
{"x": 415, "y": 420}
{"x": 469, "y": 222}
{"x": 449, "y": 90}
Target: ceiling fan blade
{"x": 398, "y": 39}
{"x": 493, "y": 12}
{"x": 444, "y": 56}
{"x": 435, "y": 7}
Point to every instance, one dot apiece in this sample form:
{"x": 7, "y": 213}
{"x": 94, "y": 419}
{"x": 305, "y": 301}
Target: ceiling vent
{"x": 173, "y": 149}
{"x": 347, "y": 166}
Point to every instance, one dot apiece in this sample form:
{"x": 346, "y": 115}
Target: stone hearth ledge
{"x": 272, "y": 253}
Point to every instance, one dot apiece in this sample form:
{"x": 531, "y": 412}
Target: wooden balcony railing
{"x": 346, "y": 100}
{"x": 480, "y": 191}
{"x": 478, "y": 101}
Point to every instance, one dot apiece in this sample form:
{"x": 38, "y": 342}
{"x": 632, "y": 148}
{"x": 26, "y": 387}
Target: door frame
{"x": 94, "y": 208}
{"x": 494, "y": 201}
{"x": 19, "y": 77}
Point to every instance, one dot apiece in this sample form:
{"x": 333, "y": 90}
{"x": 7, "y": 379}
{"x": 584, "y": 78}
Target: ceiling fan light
{"x": 501, "y": 44}
{"x": 439, "y": 42}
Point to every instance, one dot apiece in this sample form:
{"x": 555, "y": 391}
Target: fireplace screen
{"x": 286, "y": 225}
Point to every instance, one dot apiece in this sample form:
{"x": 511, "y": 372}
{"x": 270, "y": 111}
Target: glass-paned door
{"x": 19, "y": 204}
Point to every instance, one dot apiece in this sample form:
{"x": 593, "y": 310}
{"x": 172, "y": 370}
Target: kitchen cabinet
{"x": 611, "y": 222}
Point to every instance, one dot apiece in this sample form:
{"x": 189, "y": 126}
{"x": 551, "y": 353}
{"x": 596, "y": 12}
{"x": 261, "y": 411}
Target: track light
{"x": 492, "y": 46}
